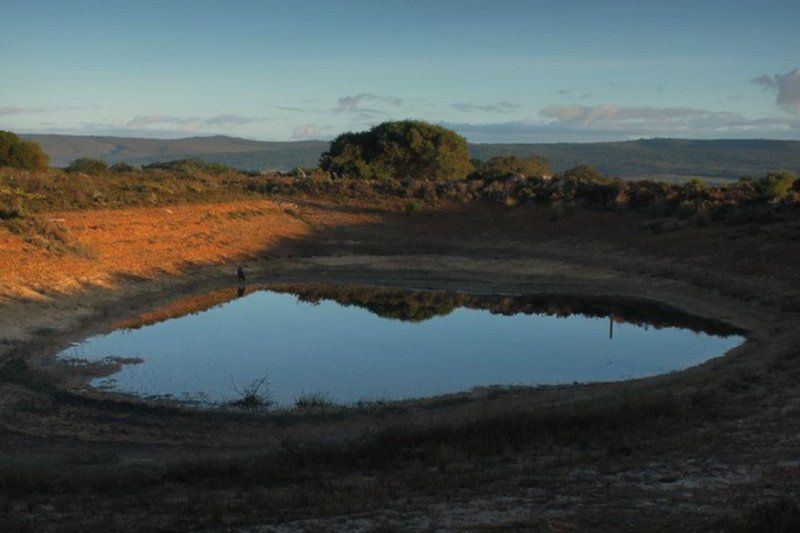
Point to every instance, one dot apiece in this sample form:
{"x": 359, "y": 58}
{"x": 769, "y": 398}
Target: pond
{"x": 350, "y": 344}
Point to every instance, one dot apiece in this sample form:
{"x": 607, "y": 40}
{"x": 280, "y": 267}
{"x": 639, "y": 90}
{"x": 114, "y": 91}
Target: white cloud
{"x": 787, "y": 87}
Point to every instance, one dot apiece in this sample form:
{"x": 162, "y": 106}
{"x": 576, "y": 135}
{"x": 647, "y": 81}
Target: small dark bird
{"x": 240, "y": 273}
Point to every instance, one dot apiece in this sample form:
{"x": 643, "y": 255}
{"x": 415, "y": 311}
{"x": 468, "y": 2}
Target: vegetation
{"x": 19, "y": 153}
{"x": 55, "y": 189}
{"x": 253, "y": 396}
{"x": 91, "y": 184}
{"x": 694, "y": 202}
{"x": 312, "y": 400}
{"x": 669, "y": 206}
{"x": 511, "y": 166}
{"x": 408, "y": 149}
{"x": 190, "y": 166}
{"x": 778, "y": 185}
{"x": 88, "y": 165}
{"x": 122, "y": 166}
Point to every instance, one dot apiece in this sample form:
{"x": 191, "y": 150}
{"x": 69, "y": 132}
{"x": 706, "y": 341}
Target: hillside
{"x": 662, "y": 157}
{"x": 644, "y": 157}
{"x": 240, "y": 153}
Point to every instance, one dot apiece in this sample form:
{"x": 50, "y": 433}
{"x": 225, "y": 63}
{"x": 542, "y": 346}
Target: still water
{"x": 351, "y": 344}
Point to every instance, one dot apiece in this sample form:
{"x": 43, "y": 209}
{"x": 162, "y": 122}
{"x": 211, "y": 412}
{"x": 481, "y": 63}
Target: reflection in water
{"x": 363, "y": 343}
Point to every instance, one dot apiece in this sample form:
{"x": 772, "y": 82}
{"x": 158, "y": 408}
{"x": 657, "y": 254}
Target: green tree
{"x": 399, "y": 150}
{"x": 19, "y": 153}
{"x": 88, "y": 165}
{"x": 511, "y": 165}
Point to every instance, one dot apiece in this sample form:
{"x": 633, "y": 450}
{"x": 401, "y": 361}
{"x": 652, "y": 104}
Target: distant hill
{"x": 662, "y": 157}
{"x": 644, "y": 157}
{"x": 239, "y": 153}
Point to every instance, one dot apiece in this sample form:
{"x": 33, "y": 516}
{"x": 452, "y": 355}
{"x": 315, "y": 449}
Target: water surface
{"x": 359, "y": 343}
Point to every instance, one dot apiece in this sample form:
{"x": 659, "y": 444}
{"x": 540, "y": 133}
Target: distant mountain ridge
{"x": 644, "y": 157}
{"x": 240, "y": 153}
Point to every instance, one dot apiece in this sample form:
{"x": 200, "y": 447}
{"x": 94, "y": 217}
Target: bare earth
{"x": 728, "y": 450}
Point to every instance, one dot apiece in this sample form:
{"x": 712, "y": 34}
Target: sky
{"x": 493, "y": 70}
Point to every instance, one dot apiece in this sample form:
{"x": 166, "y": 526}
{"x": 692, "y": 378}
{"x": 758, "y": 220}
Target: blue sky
{"x": 535, "y": 71}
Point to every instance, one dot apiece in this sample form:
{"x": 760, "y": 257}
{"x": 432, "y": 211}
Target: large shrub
{"x": 19, "y": 153}
{"x": 586, "y": 174}
{"x": 409, "y": 149}
{"x": 511, "y": 165}
{"x": 121, "y": 166}
{"x": 88, "y": 166}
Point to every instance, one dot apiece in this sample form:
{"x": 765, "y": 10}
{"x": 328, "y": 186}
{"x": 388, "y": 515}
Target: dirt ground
{"x": 715, "y": 447}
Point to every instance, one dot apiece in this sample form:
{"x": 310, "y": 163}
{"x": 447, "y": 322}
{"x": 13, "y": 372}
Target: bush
{"x": 121, "y": 166}
{"x": 509, "y": 165}
{"x": 408, "y": 149}
{"x": 88, "y": 165}
{"x": 189, "y": 166}
{"x": 694, "y": 185}
{"x": 18, "y": 153}
{"x": 584, "y": 173}
{"x": 412, "y": 208}
{"x": 312, "y": 400}
{"x": 252, "y": 397}
{"x": 777, "y": 185}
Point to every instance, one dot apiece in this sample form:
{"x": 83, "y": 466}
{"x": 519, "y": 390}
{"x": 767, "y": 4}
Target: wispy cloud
{"x": 353, "y": 105}
{"x": 606, "y": 122}
{"x": 575, "y": 92}
{"x": 609, "y": 115}
{"x": 14, "y": 110}
{"x": 499, "y": 107}
{"x": 230, "y": 120}
{"x": 787, "y": 87}
{"x": 11, "y": 110}
{"x": 290, "y": 108}
{"x": 185, "y": 123}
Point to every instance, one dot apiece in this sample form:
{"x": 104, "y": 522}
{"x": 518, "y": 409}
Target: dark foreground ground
{"x": 716, "y": 447}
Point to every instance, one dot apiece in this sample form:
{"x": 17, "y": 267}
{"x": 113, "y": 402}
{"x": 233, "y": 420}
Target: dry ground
{"x": 709, "y": 448}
